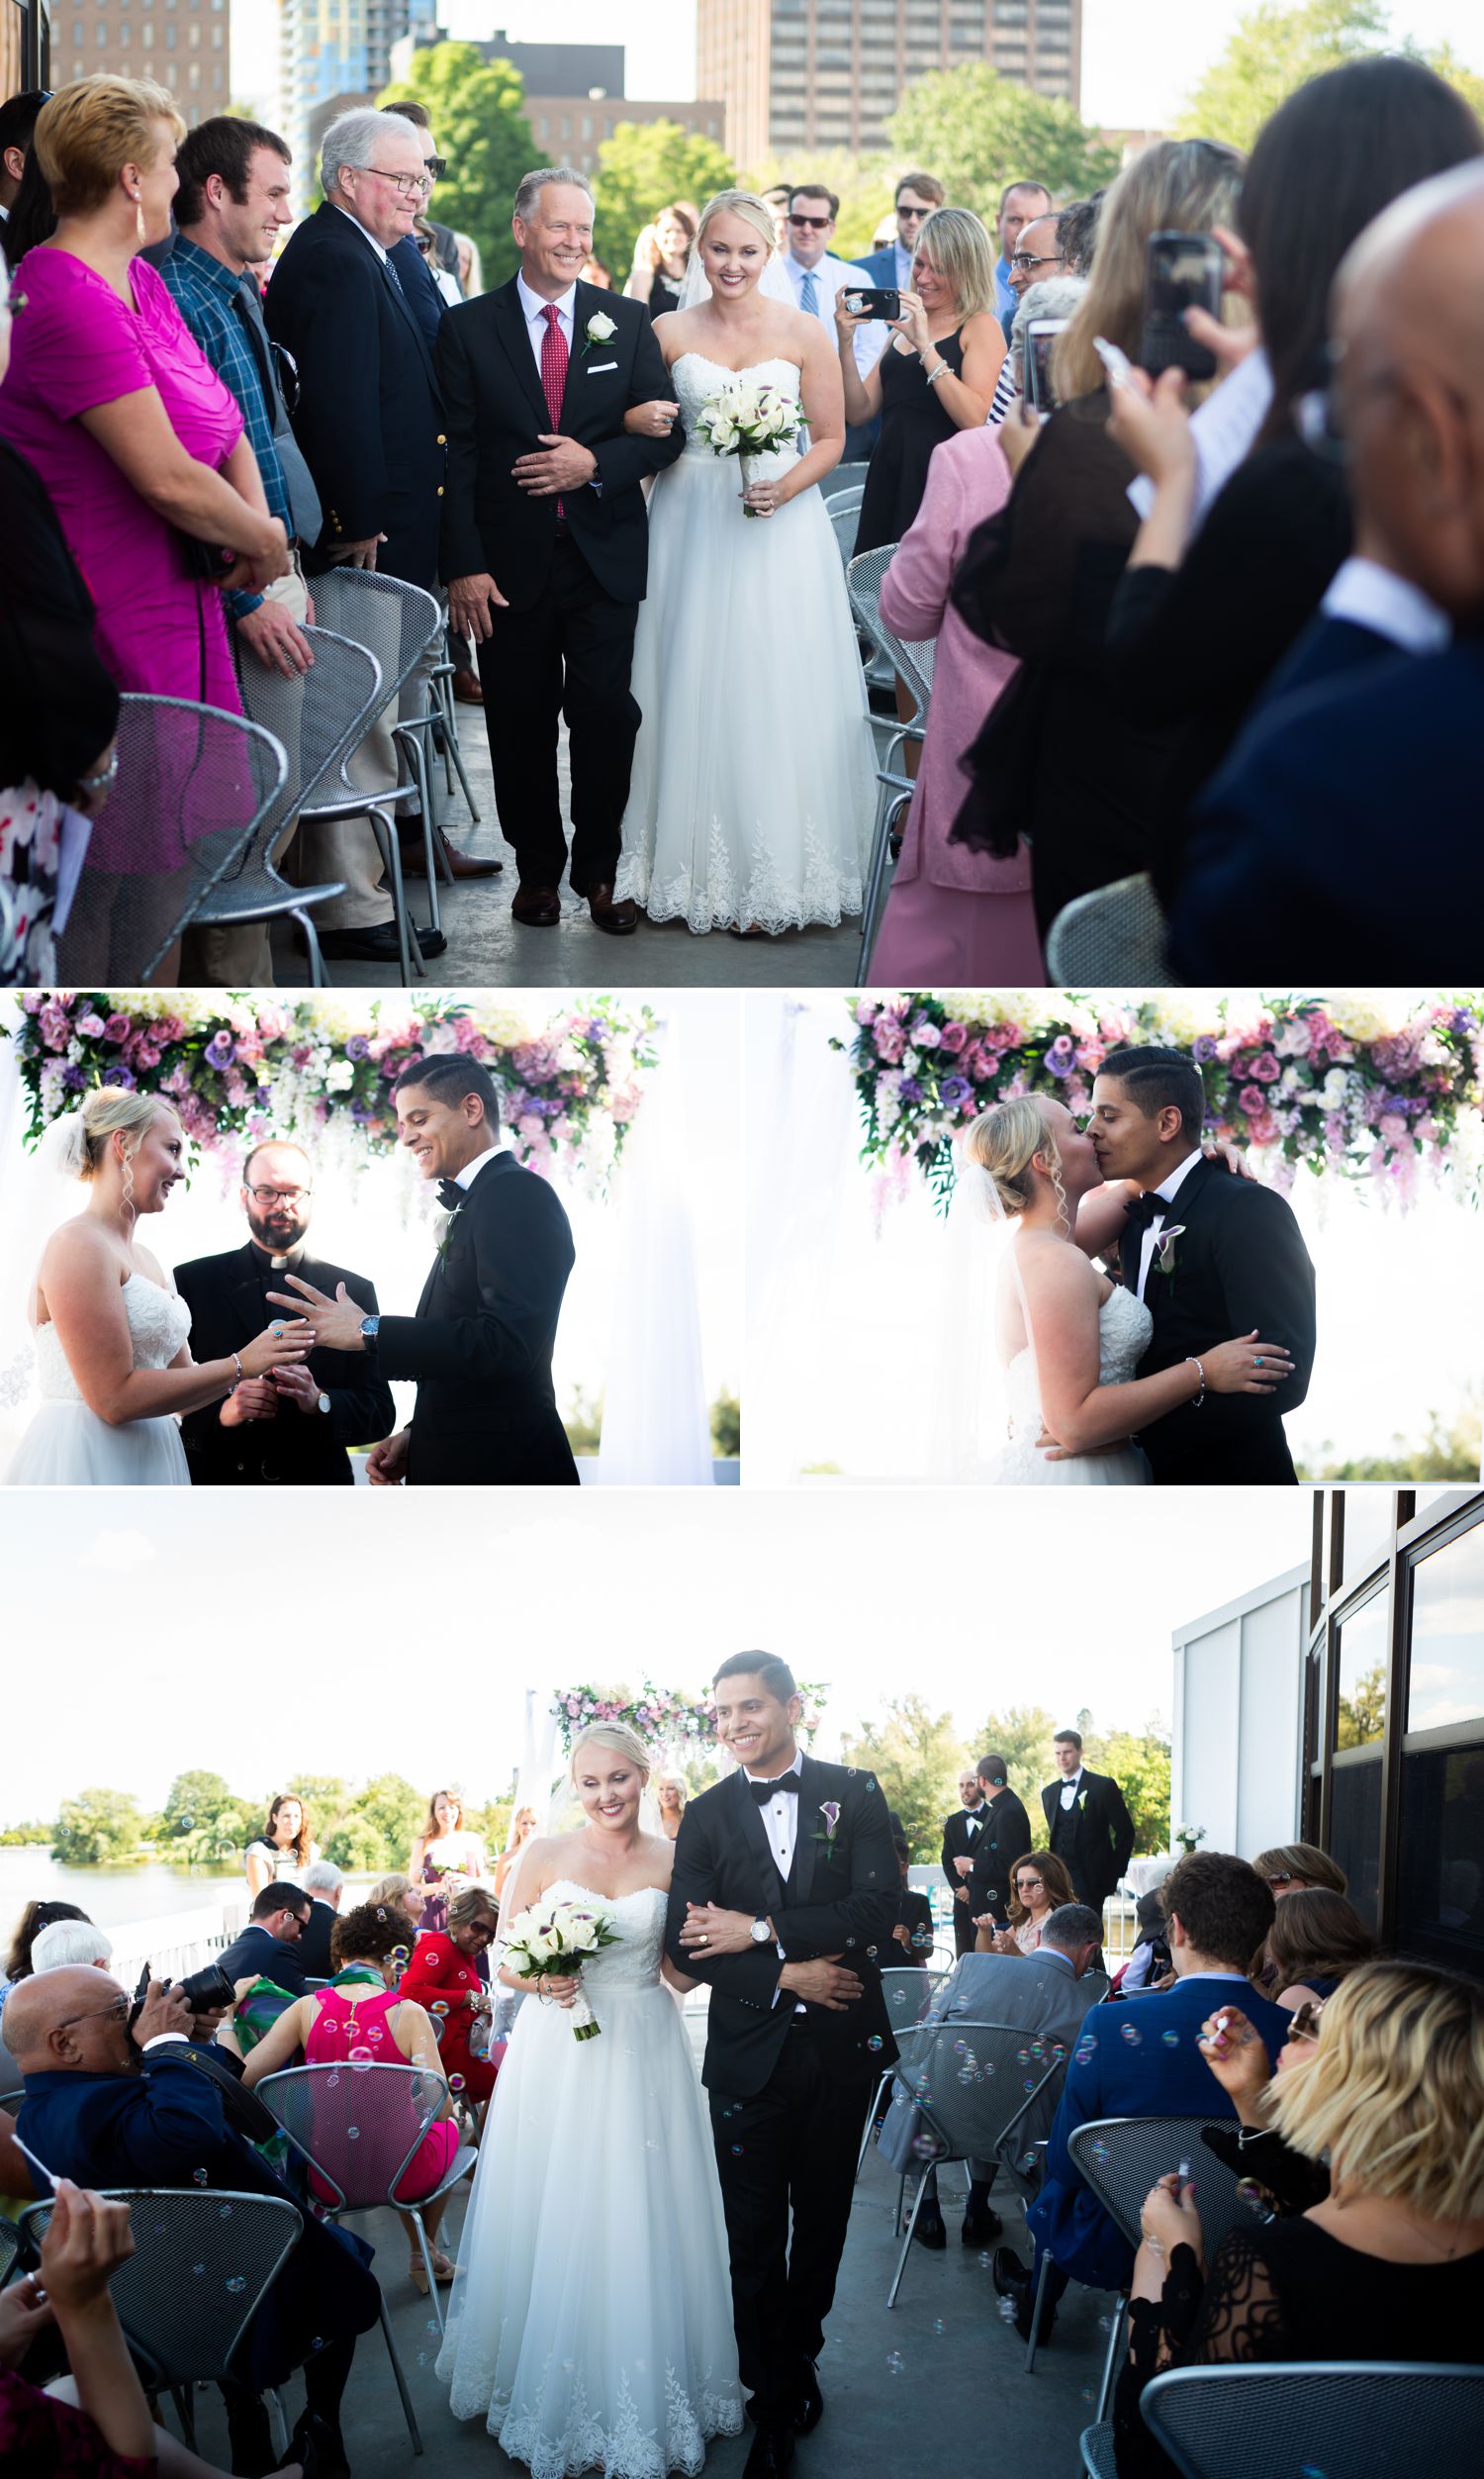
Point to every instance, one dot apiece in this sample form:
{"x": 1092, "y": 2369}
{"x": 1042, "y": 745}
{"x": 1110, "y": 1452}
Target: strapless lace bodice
{"x": 696, "y": 380}
{"x": 1124, "y": 1328}
{"x": 158, "y": 1324}
{"x": 634, "y": 1962}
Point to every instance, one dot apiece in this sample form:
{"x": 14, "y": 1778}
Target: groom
{"x": 1212, "y": 1257}
{"x": 544, "y": 495}
{"x": 481, "y": 1342}
{"x": 784, "y": 1894}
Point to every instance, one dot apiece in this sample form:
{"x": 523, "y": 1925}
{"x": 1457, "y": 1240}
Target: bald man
{"x": 112, "y": 2107}
{"x": 1340, "y": 840}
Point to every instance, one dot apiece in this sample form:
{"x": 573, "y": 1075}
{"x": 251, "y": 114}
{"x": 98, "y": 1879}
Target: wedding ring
{"x": 705, "y": 1941}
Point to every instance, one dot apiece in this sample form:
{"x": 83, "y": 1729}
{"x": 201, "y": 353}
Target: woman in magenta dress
{"x": 953, "y": 917}
{"x": 138, "y": 441}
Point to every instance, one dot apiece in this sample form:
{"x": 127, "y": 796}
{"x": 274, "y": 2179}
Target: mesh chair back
{"x": 845, "y": 520}
{"x": 203, "y": 2261}
{"x": 849, "y": 477}
{"x": 10, "y": 2247}
{"x": 1121, "y": 2158}
{"x": 981, "y": 2078}
{"x": 318, "y": 718}
{"x": 396, "y": 621}
{"x": 193, "y": 784}
{"x": 1114, "y": 935}
{"x": 909, "y": 1994}
{"x": 1347, "y": 2418}
{"x": 359, "y": 2124}
{"x": 912, "y": 663}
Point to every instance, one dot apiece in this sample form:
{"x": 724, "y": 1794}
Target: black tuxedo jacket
{"x": 959, "y": 1843}
{"x": 481, "y": 1342}
{"x": 314, "y": 1941}
{"x": 306, "y": 1450}
{"x": 1239, "y": 1264}
{"x": 370, "y": 414}
{"x": 1006, "y": 1838}
{"x": 266, "y": 1957}
{"x": 842, "y": 1896}
{"x": 497, "y": 411}
{"x": 1094, "y": 1839}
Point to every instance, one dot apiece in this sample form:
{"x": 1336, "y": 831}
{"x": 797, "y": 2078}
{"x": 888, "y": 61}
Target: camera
{"x": 204, "y": 1990}
{"x": 879, "y": 302}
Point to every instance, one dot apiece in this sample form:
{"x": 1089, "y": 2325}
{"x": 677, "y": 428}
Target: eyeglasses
{"x": 437, "y": 165}
{"x": 1022, "y": 260}
{"x": 118, "y": 2012}
{"x": 912, "y": 215}
{"x": 811, "y": 223}
{"x": 273, "y": 1195}
{"x": 1278, "y": 1880}
{"x": 406, "y": 184}
{"x": 1305, "y": 2024}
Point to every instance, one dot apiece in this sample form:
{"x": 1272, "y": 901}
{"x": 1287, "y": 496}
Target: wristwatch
{"x": 370, "y": 1328}
{"x": 322, "y": 1402}
{"x": 760, "y": 1932}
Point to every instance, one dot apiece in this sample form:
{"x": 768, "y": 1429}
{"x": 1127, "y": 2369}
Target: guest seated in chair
{"x": 268, "y": 1947}
{"x": 443, "y": 1975}
{"x": 1316, "y": 1941}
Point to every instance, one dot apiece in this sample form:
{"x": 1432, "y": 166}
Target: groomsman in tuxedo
{"x": 294, "y": 1427}
{"x": 481, "y": 1341}
{"x": 545, "y": 540}
{"x": 1087, "y": 1825}
{"x": 1006, "y": 1838}
{"x": 960, "y": 1831}
{"x": 783, "y": 1900}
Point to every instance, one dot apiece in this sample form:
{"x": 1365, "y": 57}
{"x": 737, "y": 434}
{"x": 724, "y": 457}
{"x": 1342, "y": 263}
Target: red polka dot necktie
{"x": 554, "y": 370}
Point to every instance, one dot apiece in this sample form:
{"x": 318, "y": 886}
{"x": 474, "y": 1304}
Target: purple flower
{"x": 74, "y": 1075}
{"x": 1061, "y": 1057}
{"x": 221, "y": 1050}
{"x": 1203, "y": 1048}
{"x": 116, "y": 1072}
{"x": 357, "y": 1047}
{"x": 909, "y": 1089}
{"x": 955, "y": 1090}
{"x": 361, "y": 1111}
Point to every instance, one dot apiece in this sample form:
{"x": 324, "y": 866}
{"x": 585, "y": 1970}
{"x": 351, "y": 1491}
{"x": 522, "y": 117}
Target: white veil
{"x": 971, "y": 1398}
{"x": 41, "y": 1193}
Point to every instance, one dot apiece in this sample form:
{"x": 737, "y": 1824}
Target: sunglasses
{"x": 1305, "y": 2024}
{"x": 810, "y": 223}
{"x": 1278, "y": 1880}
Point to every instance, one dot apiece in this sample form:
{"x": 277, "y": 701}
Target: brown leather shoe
{"x": 539, "y": 907}
{"x": 621, "y": 917}
{"x": 461, "y": 864}
{"x": 467, "y": 690}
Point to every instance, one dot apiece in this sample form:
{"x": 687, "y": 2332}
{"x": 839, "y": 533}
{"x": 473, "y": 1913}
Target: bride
{"x": 754, "y": 782}
{"x": 110, "y": 1332}
{"x": 591, "y": 2321}
{"x": 1067, "y": 1339}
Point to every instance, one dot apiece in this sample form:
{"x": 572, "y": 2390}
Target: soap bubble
{"x": 1249, "y": 2192}
{"x": 1028, "y": 2162}
{"x": 986, "y": 2263}
{"x": 894, "y": 2362}
{"x": 924, "y": 2148}
{"x": 736, "y": 2152}
{"x": 1133, "y": 2035}
{"x": 432, "y": 2326}
{"x": 198, "y": 2270}
{"x": 361, "y": 2058}
{"x": 223, "y": 2212}
{"x": 456, "y": 2082}
{"x": 1038, "y": 2048}
{"x": 439, "y": 2006}
{"x": 1100, "y": 2152}
{"x": 876, "y": 2043}
{"x": 334, "y": 2084}
{"x": 353, "y": 2134}
{"x": 961, "y": 2048}
{"x": 938, "y": 2325}
{"x": 237, "y": 2285}
{"x": 1022, "y": 2056}
{"x": 1171, "y": 2039}
{"x": 1007, "y": 2311}
{"x": 1030, "y": 2083}
{"x": 199, "y": 2176}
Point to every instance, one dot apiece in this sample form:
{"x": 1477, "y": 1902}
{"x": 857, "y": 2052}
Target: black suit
{"x": 961, "y": 1832}
{"x": 481, "y": 1342}
{"x": 1007, "y": 1836}
{"x": 370, "y": 414}
{"x": 257, "y": 1955}
{"x": 228, "y": 1298}
{"x": 1093, "y": 1840}
{"x": 573, "y": 582}
{"x": 789, "y": 2091}
{"x": 314, "y": 1941}
{"x": 1240, "y": 1263}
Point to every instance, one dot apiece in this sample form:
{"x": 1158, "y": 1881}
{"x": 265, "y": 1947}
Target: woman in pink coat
{"x": 953, "y": 917}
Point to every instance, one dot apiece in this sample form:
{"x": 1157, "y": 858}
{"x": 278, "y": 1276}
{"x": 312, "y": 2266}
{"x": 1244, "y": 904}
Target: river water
{"x": 107, "y": 1894}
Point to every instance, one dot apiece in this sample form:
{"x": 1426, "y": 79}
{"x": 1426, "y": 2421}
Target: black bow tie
{"x": 450, "y": 1196}
{"x": 1148, "y": 1208}
{"x": 762, "y": 1791}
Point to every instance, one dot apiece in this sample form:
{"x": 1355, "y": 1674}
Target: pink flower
{"x": 1394, "y": 1128}
{"x": 1265, "y": 1068}
{"x": 868, "y": 1011}
{"x": 90, "y": 1024}
{"x": 116, "y": 1029}
{"x": 57, "y": 1031}
{"x": 890, "y": 1040}
{"x": 1252, "y": 1099}
{"x": 624, "y": 1104}
{"x": 953, "y": 1037}
{"x": 169, "y": 1028}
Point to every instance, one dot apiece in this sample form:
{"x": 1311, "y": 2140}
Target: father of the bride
{"x": 1212, "y": 1256}
{"x": 783, "y": 1897}
{"x": 545, "y": 537}
{"x": 481, "y": 1341}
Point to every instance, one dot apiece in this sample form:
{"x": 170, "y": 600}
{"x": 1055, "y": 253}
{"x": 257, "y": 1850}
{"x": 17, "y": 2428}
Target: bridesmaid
{"x": 441, "y": 1850}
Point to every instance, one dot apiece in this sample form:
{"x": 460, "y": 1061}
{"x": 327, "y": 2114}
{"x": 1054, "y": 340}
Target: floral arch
{"x": 664, "y": 1717}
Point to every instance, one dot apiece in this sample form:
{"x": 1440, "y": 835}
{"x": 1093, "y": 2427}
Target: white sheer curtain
{"x": 656, "y": 1426}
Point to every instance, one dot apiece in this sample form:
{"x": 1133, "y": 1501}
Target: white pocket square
{"x": 594, "y": 368}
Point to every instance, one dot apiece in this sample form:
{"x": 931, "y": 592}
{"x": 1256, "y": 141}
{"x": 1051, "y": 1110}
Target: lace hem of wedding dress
{"x": 629, "y": 2449}
{"x": 714, "y": 898}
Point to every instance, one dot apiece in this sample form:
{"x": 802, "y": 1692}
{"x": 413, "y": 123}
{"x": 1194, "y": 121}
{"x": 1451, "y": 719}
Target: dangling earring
{"x": 140, "y": 224}
{"x": 128, "y": 1197}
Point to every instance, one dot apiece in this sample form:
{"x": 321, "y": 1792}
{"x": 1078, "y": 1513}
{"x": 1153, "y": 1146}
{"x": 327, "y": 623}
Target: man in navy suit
{"x": 1139, "y": 2058}
{"x": 268, "y": 1947}
{"x": 112, "y": 2107}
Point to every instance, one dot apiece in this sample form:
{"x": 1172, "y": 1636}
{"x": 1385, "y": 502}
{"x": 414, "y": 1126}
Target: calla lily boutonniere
{"x": 1165, "y": 1249}
{"x": 446, "y": 1234}
{"x": 830, "y": 1811}
{"x": 598, "y": 331}
{"x": 1081, "y": 1799}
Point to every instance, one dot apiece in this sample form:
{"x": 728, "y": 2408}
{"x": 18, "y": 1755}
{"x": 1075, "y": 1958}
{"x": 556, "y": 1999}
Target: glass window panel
{"x": 1370, "y": 1515}
{"x": 1446, "y": 1683}
{"x": 1441, "y": 1862}
{"x": 1361, "y": 1715}
{"x": 1355, "y": 1837}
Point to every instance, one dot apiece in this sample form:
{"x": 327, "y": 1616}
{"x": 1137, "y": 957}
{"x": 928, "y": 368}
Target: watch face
{"x": 325, "y": 1402}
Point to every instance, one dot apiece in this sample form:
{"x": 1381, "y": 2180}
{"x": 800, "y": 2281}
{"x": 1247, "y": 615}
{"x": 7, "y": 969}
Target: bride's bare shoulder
{"x": 659, "y": 1852}
{"x": 81, "y": 1246}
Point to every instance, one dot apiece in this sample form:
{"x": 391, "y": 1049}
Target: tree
{"x": 1023, "y": 1737}
{"x": 726, "y": 1424}
{"x": 915, "y": 1755}
{"x": 978, "y": 131}
{"x": 395, "y": 1810}
{"x": 357, "y": 1844}
{"x": 325, "y": 1795}
{"x": 863, "y": 184}
{"x": 1278, "y": 45}
{"x": 194, "y": 1799}
{"x": 96, "y": 1827}
{"x": 644, "y": 166}
{"x": 1141, "y": 1768}
{"x": 1361, "y": 1717}
{"x": 475, "y": 107}
{"x": 1448, "y": 1452}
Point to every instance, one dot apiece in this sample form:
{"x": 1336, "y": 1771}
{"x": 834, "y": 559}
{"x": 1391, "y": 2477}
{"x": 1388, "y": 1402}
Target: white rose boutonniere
{"x": 599, "y": 329}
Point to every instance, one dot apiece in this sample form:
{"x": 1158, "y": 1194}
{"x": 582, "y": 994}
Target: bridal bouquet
{"x": 558, "y": 1937}
{"x": 747, "y": 421}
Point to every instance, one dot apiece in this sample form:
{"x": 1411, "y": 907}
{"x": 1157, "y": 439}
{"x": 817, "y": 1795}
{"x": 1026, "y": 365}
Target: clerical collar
{"x": 288, "y": 1264}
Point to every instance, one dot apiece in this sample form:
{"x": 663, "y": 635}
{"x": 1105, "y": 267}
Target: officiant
{"x": 295, "y": 1427}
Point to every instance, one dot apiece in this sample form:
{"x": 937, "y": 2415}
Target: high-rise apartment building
{"x": 185, "y": 45}
{"x": 333, "y": 53}
{"x": 807, "y": 73}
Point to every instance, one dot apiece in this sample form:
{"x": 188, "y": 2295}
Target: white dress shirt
{"x": 471, "y": 1170}
{"x": 780, "y": 1825}
{"x": 1073, "y": 1782}
{"x": 831, "y": 277}
{"x": 368, "y": 238}
{"x": 975, "y": 1817}
{"x": 536, "y": 323}
{"x": 1150, "y": 1240}
{"x": 1376, "y": 598}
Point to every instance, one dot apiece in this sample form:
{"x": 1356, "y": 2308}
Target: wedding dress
{"x": 1124, "y": 1329}
{"x": 754, "y": 781}
{"x": 590, "y": 2320}
{"x": 68, "y": 1446}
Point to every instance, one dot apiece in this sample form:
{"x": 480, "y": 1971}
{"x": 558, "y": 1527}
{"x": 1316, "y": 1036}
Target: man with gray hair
{"x": 545, "y": 537}
{"x": 370, "y": 422}
{"x": 324, "y": 1883}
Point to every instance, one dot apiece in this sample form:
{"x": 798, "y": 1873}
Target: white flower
{"x": 1336, "y": 1085}
{"x": 601, "y": 326}
{"x": 340, "y": 1075}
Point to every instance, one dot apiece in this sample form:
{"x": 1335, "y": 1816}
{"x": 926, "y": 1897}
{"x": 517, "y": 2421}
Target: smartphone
{"x": 1039, "y": 336}
{"x": 1185, "y": 272}
{"x": 884, "y": 303}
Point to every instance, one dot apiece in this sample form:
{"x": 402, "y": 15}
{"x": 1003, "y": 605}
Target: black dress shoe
{"x": 250, "y": 2437}
{"x": 772, "y": 2451}
{"x": 928, "y": 2228}
{"x": 618, "y": 917}
{"x": 808, "y": 2407}
{"x": 981, "y": 2226}
{"x": 377, "y": 945}
{"x": 1013, "y": 2281}
{"x": 319, "y": 2447}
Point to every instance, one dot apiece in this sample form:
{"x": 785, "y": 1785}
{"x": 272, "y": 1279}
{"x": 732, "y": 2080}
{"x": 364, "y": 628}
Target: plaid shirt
{"x": 206, "y": 295}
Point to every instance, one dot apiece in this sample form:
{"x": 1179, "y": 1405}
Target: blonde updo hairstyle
{"x": 619, "y": 1738}
{"x": 88, "y": 132}
{"x": 110, "y": 1110}
{"x": 1005, "y": 1140}
{"x": 739, "y": 202}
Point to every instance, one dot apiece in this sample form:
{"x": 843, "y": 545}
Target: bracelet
{"x": 105, "y": 775}
{"x": 942, "y": 372}
{"x": 1199, "y": 1399}
{"x": 237, "y": 1364}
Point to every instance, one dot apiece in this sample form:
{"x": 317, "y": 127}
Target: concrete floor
{"x": 489, "y": 950}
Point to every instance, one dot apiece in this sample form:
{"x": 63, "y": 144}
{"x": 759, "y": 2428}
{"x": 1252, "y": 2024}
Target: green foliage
{"x": 726, "y": 1425}
{"x": 1277, "y": 45}
{"x": 475, "y": 107}
{"x": 583, "y": 1423}
{"x": 395, "y": 1810}
{"x": 97, "y": 1827}
{"x": 1023, "y": 1737}
{"x": 26, "y": 1836}
{"x": 978, "y": 131}
{"x": 1141, "y": 1769}
{"x": 644, "y": 166}
{"x": 324, "y": 1795}
{"x": 194, "y": 1801}
{"x": 863, "y": 184}
{"x": 1360, "y": 1718}
{"x": 1449, "y": 1451}
{"x": 358, "y": 1843}
{"x": 915, "y": 1756}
